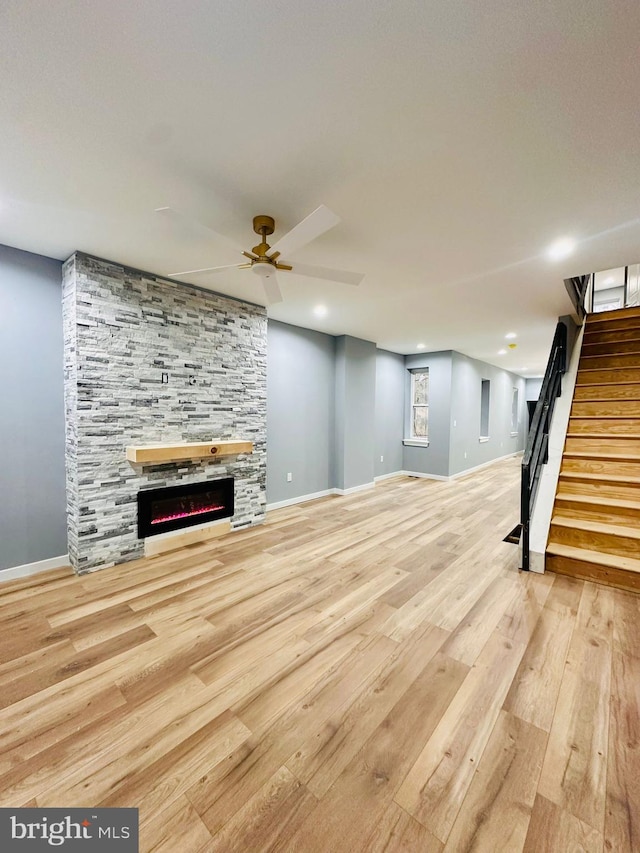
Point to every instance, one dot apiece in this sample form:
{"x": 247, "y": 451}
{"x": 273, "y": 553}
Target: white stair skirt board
{"x": 35, "y": 568}
{"x": 543, "y": 507}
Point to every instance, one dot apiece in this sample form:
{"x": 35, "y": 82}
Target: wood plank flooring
{"x": 366, "y": 673}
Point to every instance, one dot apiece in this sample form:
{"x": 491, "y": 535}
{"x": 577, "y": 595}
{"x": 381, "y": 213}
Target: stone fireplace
{"x": 147, "y": 361}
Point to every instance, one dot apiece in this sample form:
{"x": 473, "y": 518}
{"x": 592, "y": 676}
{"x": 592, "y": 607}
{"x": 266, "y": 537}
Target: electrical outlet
{"x": 289, "y": 477}
{"x": 165, "y": 378}
{"x": 382, "y": 458}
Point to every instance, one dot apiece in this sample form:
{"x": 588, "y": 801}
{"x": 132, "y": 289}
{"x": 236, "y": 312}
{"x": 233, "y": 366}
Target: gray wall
{"x": 300, "y": 411}
{"x": 433, "y": 459}
{"x": 532, "y": 388}
{"x": 389, "y": 414}
{"x": 32, "y": 479}
{"x": 466, "y": 449}
{"x": 355, "y": 407}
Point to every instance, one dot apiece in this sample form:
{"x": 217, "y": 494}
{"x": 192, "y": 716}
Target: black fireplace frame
{"x": 147, "y": 496}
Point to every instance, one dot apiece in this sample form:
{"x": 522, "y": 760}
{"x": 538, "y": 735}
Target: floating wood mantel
{"x": 190, "y": 450}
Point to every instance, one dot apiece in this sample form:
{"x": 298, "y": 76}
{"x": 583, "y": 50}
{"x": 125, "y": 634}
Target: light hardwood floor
{"x": 366, "y": 673}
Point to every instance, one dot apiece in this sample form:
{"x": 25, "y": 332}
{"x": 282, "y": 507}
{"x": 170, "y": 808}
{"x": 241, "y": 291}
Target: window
{"x": 420, "y": 404}
{"x": 514, "y": 412}
{"x": 485, "y": 396}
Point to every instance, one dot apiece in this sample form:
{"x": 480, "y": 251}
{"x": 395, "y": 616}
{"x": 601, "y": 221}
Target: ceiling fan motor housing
{"x": 264, "y": 224}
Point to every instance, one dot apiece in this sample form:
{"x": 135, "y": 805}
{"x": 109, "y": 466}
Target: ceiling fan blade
{"x": 206, "y": 269}
{"x": 342, "y": 276}
{"x": 272, "y": 289}
{"x": 315, "y": 224}
{"x": 182, "y": 219}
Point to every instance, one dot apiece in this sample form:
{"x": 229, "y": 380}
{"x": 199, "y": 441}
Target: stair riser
{"x": 602, "y": 445}
{"x": 589, "y": 348}
{"x": 607, "y": 392}
{"x": 624, "y": 546}
{"x": 619, "y": 426}
{"x": 606, "y": 409}
{"x": 623, "y": 516}
{"x": 598, "y": 466}
{"x": 602, "y": 362}
{"x": 587, "y": 571}
{"x": 608, "y": 377}
{"x": 602, "y": 337}
{"x": 602, "y": 491}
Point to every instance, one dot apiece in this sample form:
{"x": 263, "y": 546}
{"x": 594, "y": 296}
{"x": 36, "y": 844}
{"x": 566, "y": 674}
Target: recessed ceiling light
{"x": 502, "y": 352}
{"x": 561, "y": 249}
{"x": 420, "y": 346}
{"x": 511, "y": 335}
{"x": 320, "y": 311}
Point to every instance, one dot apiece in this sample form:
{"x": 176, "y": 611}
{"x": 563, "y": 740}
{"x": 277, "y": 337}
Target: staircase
{"x": 595, "y": 527}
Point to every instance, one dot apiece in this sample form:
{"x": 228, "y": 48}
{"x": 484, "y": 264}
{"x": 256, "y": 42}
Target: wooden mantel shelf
{"x": 188, "y": 450}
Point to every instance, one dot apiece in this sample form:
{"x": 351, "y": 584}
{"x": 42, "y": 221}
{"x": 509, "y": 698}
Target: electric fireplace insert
{"x": 174, "y": 507}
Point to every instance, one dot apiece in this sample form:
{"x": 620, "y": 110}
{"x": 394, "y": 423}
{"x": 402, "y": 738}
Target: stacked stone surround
{"x": 125, "y": 331}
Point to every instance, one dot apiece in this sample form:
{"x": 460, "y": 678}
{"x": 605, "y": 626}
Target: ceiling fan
{"x": 264, "y": 260}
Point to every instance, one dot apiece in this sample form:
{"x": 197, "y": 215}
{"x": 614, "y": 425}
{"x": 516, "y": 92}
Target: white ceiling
{"x": 455, "y": 139}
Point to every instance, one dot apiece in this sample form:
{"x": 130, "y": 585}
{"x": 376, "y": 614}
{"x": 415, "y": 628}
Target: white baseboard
{"x": 424, "y": 475}
{"x": 300, "y": 499}
{"x": 323, "y": 494}
{"x": 33, "y": 568}
{"x": 485, "y": 465}
{"x": 326, "y": 492}
{"x": 353, "y": 489}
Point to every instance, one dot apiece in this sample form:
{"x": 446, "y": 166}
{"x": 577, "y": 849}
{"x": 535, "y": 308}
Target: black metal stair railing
{"x": 536, "y": 453}
{"x": 578, "y": 290}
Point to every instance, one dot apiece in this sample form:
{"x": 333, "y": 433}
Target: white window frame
{"x": 418, "y": 441}
{"x": 484, "y": 433}
{"x": 515, "y": 406}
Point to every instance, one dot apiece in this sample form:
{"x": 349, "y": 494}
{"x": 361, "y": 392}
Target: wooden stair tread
{"x": 612, "y": 435}
{"x": 614, "y": 354}
{"x": 624, "y": 417}
{"x": 614, "y": 314}
{"x": 605, "y": 478}
{"x": 595, "y": 384}
{"x": 604, "y": 502}
{"x": 607, "y": 399}
{"x": 600, "y": 435}
{"x": 613, "y": 367}
{"x": 595, "y": 454}
{"x": 596, "y": 527}
{"x": 598, "y": 558}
